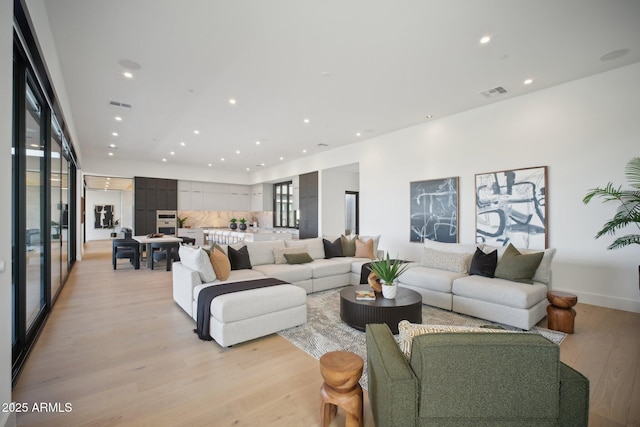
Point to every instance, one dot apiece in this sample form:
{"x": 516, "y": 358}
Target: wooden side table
{"x": 560, "y": 314}
{"x": 341, "y": 371}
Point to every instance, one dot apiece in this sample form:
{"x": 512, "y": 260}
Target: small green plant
{"x": 233, "y": 220}
{"x": 628, "y": 212}
{"x": 388, "y": 270}
{"x": 243, "y": 221}
{"x": 181, "y": 221}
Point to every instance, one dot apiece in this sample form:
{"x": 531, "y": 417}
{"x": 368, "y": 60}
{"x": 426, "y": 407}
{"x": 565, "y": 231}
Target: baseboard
{"x": 624, "y": 304}
{"x": 8, "y": 419}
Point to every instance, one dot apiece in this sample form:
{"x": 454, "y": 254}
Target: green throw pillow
{"x": 517, "y": 267}
{"x": 301, "y": 258}
{"x": 348, "y": 245}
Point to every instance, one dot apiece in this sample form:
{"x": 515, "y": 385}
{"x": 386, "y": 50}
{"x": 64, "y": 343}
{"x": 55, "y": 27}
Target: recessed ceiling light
{"x": 248, "y": 169}
{"x": 485, "y": 39}
{"x": 237, "y": 151}
{"x": 111, "y": 154}
{"x": 304, "y": 151}
{"x": 222, "y": 159}
{"x": 197, "y": 132}
{"x": 112, "y": 145}
{"x": 257, "y": 142}
{"x": 306, "y": 120}
{"x": 164, "y": 160}
{"x": 528, "y": 81}
{"x": 281, "y": 158}
{"x": 127, "y": 74}
{"x": 118, "y": 118}
{"x": 358, "y": 134}
{"x": 114, "y": 133}
{"x": 183, "y": 144}
{"x": 232, "y": 101}
{"x": 210, "y": 165}
{"x": 172, "y": 153}
{"x": 429, "y": 116}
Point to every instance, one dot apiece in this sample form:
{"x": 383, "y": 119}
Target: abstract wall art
{"x": 103, "y": 216}
{"x": 511, "y": 208}
{"x": 434, "y": 210}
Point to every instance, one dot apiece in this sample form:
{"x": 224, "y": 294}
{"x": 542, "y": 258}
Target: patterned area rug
{"x": 324, "y": 331}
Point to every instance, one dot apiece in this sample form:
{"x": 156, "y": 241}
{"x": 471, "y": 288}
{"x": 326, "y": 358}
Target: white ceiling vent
{"x": 492, "y": 93}
{"x": 119, "y": 104}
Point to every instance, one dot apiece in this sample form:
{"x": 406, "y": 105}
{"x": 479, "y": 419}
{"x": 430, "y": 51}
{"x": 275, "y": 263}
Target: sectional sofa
{"x": 250, "y": 314}
{"x": 442, "y": 278}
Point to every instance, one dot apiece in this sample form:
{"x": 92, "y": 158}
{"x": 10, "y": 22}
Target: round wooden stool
{"x": 341, "y": 371}
{"x": 560, "y": 314}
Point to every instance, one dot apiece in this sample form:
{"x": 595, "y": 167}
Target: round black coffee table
{"x": 407, "y": 305}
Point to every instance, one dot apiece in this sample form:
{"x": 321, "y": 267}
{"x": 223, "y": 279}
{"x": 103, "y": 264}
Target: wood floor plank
{"x": 119, "y": 349}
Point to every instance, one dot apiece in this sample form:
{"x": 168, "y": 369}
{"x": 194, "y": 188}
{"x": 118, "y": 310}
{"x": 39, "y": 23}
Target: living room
{"x": 584, "y": 131}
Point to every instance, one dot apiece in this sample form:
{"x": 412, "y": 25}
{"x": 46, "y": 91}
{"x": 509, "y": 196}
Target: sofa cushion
{"x": 518, "y": 267}
{"x": 289, "y": 273}
{"x": 429, "y": 278}
{"x": 279, "y": 253}
{"x": 262, "y": 252}
{"x": 500, "y": 291}
{"x": 484, "y": 264}
{"x": 348, "y": 245}
{"x": 315, "y": 248}
{"x": 197, "y": 259}
{"x": 332, "y": 249}
{"x": 365, "y": 249}
{"x": 239, "y": 259}
{"x": 221, "y": 264}
{"x": 543, "y": 272}
{"x": 450, "y": 261}
{"x": 332, "y": 267}
{"x": 407, "y": 331}
{"x": 238, "y": 306}
{"x": 298, "y": 258}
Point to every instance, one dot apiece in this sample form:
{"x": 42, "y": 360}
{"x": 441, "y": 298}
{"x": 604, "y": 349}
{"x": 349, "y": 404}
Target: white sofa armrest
{"x": 184, "y": 282}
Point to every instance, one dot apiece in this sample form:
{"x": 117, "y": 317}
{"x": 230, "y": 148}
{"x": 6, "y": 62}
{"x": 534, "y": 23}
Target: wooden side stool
{"x": 341, "y": 371}
{"x": 560, "y": 314}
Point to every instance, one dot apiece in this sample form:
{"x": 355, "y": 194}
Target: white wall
{"x": 584, "y": 131}
{"x": 101, "y": 197}
{"x": 6, "y": 87}
{"x": 333, "y": 184}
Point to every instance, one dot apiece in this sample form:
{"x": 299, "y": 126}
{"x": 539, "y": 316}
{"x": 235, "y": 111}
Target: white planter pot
{"x": 389, "y": 291}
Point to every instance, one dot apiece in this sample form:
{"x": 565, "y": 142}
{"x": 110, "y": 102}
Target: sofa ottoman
{"x": 241, "y": 316}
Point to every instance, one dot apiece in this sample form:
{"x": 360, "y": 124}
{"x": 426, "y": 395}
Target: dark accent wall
{"x": 308, "y": 185}
{"x": 150, "y": 195}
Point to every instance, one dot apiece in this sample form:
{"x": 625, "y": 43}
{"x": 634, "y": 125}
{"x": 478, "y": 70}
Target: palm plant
{"x": 628, "y": 212}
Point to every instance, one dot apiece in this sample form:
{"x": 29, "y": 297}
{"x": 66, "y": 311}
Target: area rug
{"x": 324, "y": 331}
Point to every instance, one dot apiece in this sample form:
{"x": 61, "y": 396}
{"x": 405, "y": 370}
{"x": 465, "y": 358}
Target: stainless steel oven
{"x": 167, "y": 222}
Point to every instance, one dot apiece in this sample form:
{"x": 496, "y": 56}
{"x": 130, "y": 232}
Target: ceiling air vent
{"x": 119, "y": 104}
{"x": 322, "y": 144}
{"x": 492, "y": 93}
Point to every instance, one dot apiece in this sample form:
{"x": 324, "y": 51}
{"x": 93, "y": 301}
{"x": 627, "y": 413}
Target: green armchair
{"x": 473, "y": 379}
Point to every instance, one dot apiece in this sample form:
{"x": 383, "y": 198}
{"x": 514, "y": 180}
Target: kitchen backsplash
{"x": 221, "y": 219}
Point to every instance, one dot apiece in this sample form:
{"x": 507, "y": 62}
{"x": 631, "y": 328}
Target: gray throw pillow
{"x": 518, "y": 267}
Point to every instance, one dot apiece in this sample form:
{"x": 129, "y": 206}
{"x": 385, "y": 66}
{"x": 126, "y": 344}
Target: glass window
{"x": 284, "y": 215}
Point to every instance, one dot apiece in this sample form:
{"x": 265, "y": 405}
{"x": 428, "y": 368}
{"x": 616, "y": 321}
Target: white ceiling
{"x": 348, "y": 66}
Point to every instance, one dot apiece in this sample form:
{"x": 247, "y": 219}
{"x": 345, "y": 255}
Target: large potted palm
{"x": 628, "y": 211}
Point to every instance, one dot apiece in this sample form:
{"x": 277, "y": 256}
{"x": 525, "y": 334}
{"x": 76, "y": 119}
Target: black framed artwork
{"x": 103, "y": 216}
{"x": 511, "y": 208}
{"x": 434, "y": 210}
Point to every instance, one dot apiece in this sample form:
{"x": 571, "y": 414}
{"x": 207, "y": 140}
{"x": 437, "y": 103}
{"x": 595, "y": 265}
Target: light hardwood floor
{"x": 121, "y": 352}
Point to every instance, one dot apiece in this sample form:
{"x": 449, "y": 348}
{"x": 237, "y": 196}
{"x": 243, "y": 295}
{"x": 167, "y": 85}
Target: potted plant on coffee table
{"x": 628, "y": 211}
{"x": 388, "y": 270}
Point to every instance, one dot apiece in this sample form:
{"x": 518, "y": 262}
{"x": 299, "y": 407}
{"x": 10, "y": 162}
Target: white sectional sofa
{"x": 446, "y": 285}
{"x": 250, "y": 314}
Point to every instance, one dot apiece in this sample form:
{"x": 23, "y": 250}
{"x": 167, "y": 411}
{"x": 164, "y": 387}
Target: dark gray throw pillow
{"x": 332, "y": 250}
{"x": 484, "y": 264}
{"x": 239, "y": 258}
